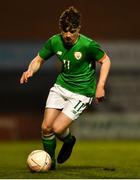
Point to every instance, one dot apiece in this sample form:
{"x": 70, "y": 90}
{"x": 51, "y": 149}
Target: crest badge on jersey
{"x": 78, "y": 55}
{"x": 59, "y": 53}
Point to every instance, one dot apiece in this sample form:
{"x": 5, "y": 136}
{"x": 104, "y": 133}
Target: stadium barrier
{"x": 108, "y": 126}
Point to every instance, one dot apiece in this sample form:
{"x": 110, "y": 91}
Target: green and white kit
{"x": 78, "y": 73}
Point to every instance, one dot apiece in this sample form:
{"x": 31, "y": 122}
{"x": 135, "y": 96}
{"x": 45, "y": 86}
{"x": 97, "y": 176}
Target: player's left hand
{"x": 100, "y": 94}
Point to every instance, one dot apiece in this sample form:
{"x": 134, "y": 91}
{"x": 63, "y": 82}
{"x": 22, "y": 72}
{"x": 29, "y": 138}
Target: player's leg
{"x": 54, "y": 102}
{"x": 74, "y": 106}
{"x": 48, "y": 137}
{"x": 61, "y": 129}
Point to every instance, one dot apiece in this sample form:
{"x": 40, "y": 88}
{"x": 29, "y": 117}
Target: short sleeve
{"x": 95, "y": 52}
{"x": 46, "y": 51}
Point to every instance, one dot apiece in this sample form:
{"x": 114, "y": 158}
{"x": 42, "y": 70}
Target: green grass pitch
{"x": 89, "y": 160}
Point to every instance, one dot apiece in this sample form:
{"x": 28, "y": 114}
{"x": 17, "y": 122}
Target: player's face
{"x": 70, "y": 36}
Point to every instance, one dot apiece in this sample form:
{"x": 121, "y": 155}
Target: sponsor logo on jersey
{"x": 74, "y": 112}
{"x": 78, "y": 55}
{"x": 59, "y": 53}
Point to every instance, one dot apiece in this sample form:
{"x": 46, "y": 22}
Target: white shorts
{"x": 70, "y": 103}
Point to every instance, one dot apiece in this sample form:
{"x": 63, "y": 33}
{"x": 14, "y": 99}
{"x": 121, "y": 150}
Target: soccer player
{"x": 75, "y": 86}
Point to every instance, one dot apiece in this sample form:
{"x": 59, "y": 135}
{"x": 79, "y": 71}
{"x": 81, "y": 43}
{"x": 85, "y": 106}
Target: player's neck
{"x": 76, "y": 40}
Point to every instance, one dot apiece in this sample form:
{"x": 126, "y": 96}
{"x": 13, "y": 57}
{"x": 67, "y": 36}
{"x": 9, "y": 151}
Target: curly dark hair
{"x": 70, "y": 19}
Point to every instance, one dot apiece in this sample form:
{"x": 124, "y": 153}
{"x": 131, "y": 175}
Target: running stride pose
{"x": 75, "y": 86}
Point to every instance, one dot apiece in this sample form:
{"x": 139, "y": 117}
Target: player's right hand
{"x": 25, "y": 76}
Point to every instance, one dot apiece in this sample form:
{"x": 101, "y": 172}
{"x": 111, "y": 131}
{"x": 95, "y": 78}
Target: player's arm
{"x": 33, "y": 67}
{"x": 44, "y": 54}
{"x": 104, "y": 70}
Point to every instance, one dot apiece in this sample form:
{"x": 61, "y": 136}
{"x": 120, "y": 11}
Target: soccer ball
{"x": 39, "y": 161}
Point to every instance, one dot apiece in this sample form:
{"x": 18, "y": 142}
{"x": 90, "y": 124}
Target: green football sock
{"x": 49, "y": 144}
{"x": 67, "y": 138}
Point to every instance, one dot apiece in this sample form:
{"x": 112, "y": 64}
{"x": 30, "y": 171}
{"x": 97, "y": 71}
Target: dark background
{"x": 35, "y": 20}
{"x": 26, "y": 25}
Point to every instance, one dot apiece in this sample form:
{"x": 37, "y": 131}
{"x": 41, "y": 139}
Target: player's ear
{"x": 61, "y": 31}
{"x": 79, "y": 28}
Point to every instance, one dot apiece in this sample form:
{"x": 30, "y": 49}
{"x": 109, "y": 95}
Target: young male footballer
{"x": 75, "y": 86}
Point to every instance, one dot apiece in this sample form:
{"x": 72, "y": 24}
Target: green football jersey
{"x": 78, "y": 70}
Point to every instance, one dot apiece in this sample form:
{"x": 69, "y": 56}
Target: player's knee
{"x": 46, "y": 129}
